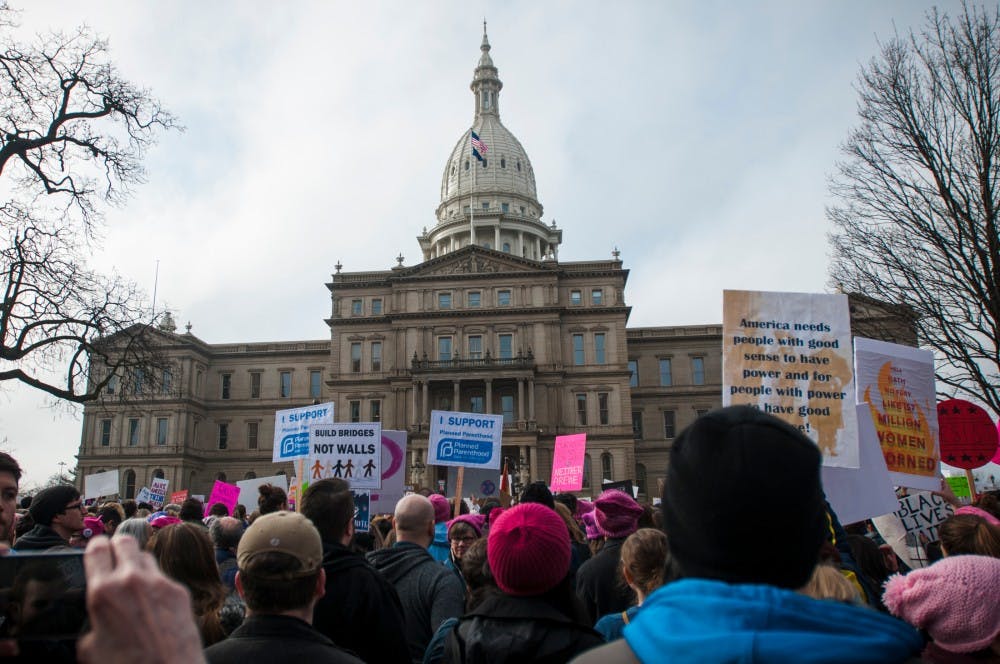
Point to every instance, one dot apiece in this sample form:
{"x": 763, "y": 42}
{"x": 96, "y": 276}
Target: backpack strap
{"x": 625, "y": 616}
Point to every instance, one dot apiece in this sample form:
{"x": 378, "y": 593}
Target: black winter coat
{"x": 599, "y": 582}
{"x": 361, "y": 610}
{"x": 517, "y": 630}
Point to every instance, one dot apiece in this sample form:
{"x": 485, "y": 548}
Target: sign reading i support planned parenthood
{"x": 789, "y": 354}
{"x": 465, "y": 439}
{"x": 349, "y": 451}
{"x": 291, "y": 430}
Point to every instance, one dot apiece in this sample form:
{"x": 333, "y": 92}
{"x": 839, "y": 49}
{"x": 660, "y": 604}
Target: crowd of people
{"x": 743, "y": 561}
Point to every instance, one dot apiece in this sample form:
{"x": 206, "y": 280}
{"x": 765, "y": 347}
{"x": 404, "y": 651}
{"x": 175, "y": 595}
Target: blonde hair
{"x": 827, "y": 582}
{"x": 644, "y": 555}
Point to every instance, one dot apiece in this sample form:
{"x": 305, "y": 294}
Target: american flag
{"x": 478, "y": 147}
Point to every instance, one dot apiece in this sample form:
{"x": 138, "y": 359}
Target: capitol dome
{"x": 490, "y": 200}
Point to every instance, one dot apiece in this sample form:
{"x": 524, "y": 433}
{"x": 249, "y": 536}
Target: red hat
{"x": 616, "y": 514}
{"x": 442, "y": 508}
{"x": 528, "y": 550}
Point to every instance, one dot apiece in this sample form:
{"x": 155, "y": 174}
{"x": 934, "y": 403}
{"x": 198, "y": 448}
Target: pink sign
{"x": 227, "y": 494}
{"x": 567, "y": 466}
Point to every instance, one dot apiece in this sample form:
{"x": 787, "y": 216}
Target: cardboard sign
{"x": 465, "y": 439}
{"x": 224, "y": 493}
{"x": 178, "y": 497}
{"x": 567, "y": 464}
{"x": 968, "y": 435}
{"x": 100, "y": 484}
{"x": 248, "y": 488}
{"x": 158, "y": 490}
{"x": 897, "y": 384}
{"x": 913, "y": 525}
{"x": 625, "y": 486}
{"x": 291, "y": 430}
{"x": 144, "y": 496}
{"x": 789, "y": 354}
{"x": 861, "y": 493}
{"x": 478, "y": 482}
{"x": 350, "y": 451}
{"x": 383, "y": 500}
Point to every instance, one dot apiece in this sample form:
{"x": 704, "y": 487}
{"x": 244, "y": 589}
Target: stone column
{"x": 531, "y": 399}
{"x": 496, "y": 237}
{"x": 425, "y": 406}
{"x": 456, "y": 393}
{"x": 520, "y": 399}
{"x": 520, "y": 244}
{"x": 524, "y": 471}
{"x": 489, "y": 395}
{"x": 414, "y": 414}
{"x": 533, "y": 462}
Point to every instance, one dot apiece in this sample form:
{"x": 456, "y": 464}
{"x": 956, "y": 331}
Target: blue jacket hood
{"x": 698, "y": 620}
{"x": 440, "y": 548}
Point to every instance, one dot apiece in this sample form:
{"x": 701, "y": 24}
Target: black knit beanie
{"x": 742, "y": 501}
{"x": 49, "y": 503}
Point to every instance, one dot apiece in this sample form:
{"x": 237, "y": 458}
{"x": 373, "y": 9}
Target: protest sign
{"x": 479, "y": 482}
{"x": 144, "y": 496}
{"x": 178, "y": 497}
{"x": 625, "y": 486}
{"x": 384, "y": 499}
{"x": 920, "y": 514}
{"x": 224, "y": 493}
{"x": 789, "y": 354}
{"x": 897, "y": 384}
{"x": 350, "y": 451}
{"x": 100, "y": 484}
{"x": 158, "y": 490}
{"x": 959, "y": 486}
{"x": 291, "y": 430}
{"x": 362, "y": 506}
{"x": 465, "y": 439}
{"x": 567, "y": 463}
{"x": 968, "y": 434}
{"x": 861, "y": 493}
{"x": 248, "y": 488}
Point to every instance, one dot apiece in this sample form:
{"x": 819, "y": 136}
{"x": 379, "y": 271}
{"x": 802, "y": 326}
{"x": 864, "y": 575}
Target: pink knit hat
{"x": 590, "y": 525}
{"x": 955, "y": 600}
{"x": 616, "y": 514}
{"x": 475, "y": 521}
{"x": 163, "y": 522}
{"x": 978, "y": 511}
{"x": 583, "y": 507}
{"x": 442, "y": 507}
{"x": 528, "y": 550}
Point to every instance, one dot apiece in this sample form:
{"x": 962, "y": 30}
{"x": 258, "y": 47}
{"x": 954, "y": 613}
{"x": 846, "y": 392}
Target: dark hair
{"x": 240, "y": 512}
{"x": 218, "y": 509}
{"x": 192, "y": 509}
{"x": 109, "y": 514}
{"x": 463, "y": 507}
{"x": 969, "y": 534}
{"x": 477, "y": 574}
{"x": 272, "y": 499}
{"x": 185, "y": 554}
{"x": 329, "y": 504}
{"x": 9, "y": 465}
{"x": 538, "y": 492}
{"x": 567, "y": 499}
{"x": 273, "y": 582}
{"x": 648, "y": 517}
{"x": 130, "y": 508}
{"x": 990, "y": 502}
{"x": 869, "y": 558}
{"x": 25, "y": 502}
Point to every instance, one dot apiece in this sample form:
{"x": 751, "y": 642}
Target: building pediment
{"x": 472, "y": 261}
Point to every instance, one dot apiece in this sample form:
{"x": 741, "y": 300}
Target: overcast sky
{"x": 696, "y": 137}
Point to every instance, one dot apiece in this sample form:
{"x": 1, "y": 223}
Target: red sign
{"x": 179, "y": 497}
{"x": 968, "y": 434}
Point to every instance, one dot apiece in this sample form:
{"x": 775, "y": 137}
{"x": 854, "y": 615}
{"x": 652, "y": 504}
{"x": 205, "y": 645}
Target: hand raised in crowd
{"x": 136, "y": 613}
{"x": 947, "y": 494}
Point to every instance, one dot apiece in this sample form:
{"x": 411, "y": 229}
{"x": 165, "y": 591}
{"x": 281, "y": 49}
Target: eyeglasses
{"x": 75, "y": 506}
{"x": 462, "y": 540}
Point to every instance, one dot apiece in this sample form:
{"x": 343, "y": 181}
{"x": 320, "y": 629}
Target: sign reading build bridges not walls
{"x": 789, "y": 354}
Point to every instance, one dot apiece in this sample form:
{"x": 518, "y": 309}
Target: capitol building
{"x": 490, "y": 321}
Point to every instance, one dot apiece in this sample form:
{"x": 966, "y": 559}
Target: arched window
{"x": 640, "y": 478}
{"x": 606, "y": 467}
{"x": 221, "y": 477}
{"x": 586, "y": 471}
{"x": 466, "y": 164}
{"x": 506, "y": 247}
{"x": 129, "y": 484}
{"x": 250, "y": 475}
{"x": 486, "y": 245}
{"x": 503, "y": 163}
{"x": 484, "y": 163}
{"x": 518, "y": 165}
{"x": 158, "y": 474}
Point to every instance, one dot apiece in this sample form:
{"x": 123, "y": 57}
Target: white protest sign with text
{"x": 465, "y": 439}
{"x": 789, "y": 354}
{"x": 351, "y": 451}
{"x": 100, "y": 484}
{"x": 158, "y": 490}
{"x": 248, "y": 488}
{"x": 291, "y": 430}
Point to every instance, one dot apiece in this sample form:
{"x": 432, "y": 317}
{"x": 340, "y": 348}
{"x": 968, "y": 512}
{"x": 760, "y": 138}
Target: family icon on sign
{"x": 341, "y": 469}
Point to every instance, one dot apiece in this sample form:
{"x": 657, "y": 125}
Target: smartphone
{"x": 43, "y": 602}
